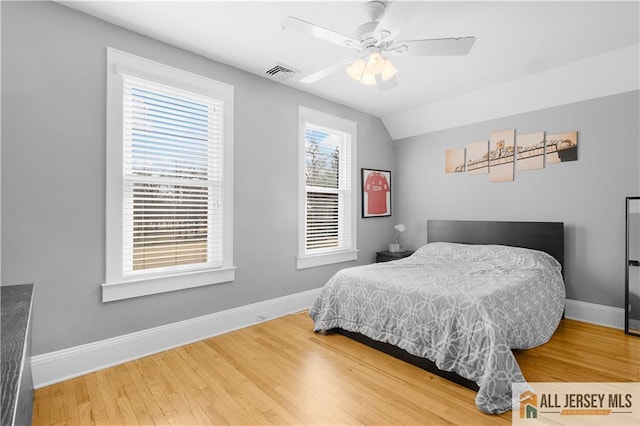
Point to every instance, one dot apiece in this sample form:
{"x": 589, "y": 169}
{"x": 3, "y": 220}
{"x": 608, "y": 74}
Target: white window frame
{"x": 119, "y": 285}
{"x": 305, "y": 260}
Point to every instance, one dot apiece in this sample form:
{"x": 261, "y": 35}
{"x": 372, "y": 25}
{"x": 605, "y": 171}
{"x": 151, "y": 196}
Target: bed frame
{"x": 543, "y": 236}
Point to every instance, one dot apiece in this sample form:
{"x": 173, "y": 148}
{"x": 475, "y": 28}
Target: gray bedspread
{"x": 464, "y": 307}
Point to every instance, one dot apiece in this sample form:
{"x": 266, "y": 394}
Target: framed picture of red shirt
{"x": 376, "y": 193}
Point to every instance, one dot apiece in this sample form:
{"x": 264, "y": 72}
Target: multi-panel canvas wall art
{"x": 530, "y": 151}
{"x": 478, "y": 158}
{"x": 502, "y": 155}
{"x": 454, "y": 161}
{"x": 562, "y": 147}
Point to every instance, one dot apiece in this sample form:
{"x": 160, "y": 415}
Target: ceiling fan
{"x": 374, "y": 41}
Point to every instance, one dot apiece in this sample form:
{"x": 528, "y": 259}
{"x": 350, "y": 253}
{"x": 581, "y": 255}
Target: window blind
{"x": 172, "y": 204}
{"x": 328, "y": 189}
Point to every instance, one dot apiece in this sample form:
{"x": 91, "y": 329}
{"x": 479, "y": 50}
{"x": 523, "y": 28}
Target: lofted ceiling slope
{"x": 513, "y": 40}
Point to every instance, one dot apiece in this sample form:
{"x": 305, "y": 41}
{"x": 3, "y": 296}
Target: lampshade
{"x": 356, "y": 69}
{"x": 375, "y": 63}
{"x": 368, "y": 78}
{"x": 388, "y": 70}
{"x": 400, "y": 227}
{"x": 365, "y": 69}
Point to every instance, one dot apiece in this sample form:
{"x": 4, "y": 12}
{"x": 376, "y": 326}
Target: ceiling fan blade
{"x": 304, "y": 27}
{"x": 397, "y": 15}
{"x": 319, "y": 75}
{"x": 459, "y": 46}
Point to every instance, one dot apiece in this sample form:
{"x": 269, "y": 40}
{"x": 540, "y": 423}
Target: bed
{"x": 459, "y": 304}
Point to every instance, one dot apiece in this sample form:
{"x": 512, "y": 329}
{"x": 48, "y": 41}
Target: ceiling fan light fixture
{"x": 375, "y": 63}
{"x": 356, "y": 69}
{"x": 371, "y": 41}
{"x": 366, "y": 69}
{"x": 388, "y": 70}
{"x": 368, "y": 78}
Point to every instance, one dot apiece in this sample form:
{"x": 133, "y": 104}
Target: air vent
{"x": 280, "y": 72}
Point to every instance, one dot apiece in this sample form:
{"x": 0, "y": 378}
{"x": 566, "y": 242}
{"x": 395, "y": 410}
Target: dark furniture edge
{"x": 403, "y": 355}
{"x": 386, "y": 256}
{"x": 629, "y": 262}
{"x": 17, "y": 383}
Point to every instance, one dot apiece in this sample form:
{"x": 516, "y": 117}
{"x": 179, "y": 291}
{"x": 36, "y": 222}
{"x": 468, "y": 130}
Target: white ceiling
{"x": 514, "y": 39}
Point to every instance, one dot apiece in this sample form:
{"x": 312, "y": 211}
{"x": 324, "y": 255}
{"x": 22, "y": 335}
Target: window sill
{"x": 303, "y": 262}
{"x": 146, "y": 286}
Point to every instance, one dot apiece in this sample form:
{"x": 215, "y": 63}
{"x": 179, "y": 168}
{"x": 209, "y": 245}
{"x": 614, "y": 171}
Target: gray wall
{"x": 53, "y": 179}
{"x": 587, "y": 195}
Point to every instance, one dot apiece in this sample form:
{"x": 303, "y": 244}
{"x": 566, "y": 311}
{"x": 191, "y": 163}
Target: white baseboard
{"x": 54, "y": 367}
{"x": 607, "y": 316}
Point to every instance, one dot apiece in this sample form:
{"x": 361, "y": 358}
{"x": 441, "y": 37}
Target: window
{"x": 169, "y": 213}
{"x": 327, "y": 212}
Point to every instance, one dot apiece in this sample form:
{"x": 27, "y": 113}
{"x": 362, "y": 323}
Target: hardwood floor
{"x": 280, "y": 372}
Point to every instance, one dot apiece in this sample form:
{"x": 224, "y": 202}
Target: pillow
{"x": 505, "y": 256}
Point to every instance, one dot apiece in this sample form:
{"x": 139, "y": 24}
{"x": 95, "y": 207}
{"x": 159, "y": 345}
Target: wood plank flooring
{"x": 280, "y": 372}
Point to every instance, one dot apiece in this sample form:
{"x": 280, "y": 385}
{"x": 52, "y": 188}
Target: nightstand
{"x": 386, "y": 256}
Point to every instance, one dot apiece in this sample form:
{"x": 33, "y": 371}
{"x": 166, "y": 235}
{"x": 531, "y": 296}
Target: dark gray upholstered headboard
{"x": 543, "y": 236}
